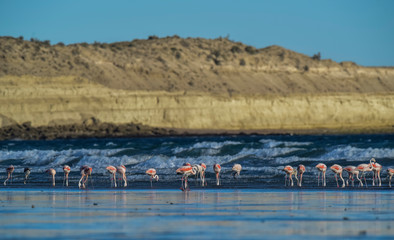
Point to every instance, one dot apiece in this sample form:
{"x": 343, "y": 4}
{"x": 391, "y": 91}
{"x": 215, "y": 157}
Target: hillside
{"x": 175, "y": 86}
{"x": 193, "y": 64}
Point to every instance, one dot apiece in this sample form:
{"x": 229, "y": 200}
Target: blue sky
{"x": 342, "y": 30}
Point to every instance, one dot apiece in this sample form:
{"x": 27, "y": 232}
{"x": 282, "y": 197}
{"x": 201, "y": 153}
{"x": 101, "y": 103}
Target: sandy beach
{"x": 200, "y": 214}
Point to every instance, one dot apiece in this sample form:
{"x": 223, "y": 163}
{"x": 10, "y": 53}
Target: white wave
{"x": 44, "y": 159}
{"x": 350, "y": 153}
{"x": 267, "y": 152}
{"x": 270, "y": 143}
{"x": 207, "y": 145}
{"x": 110, "y": 144}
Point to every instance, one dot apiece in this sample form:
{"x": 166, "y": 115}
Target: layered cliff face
{"x": 190, "y": 85}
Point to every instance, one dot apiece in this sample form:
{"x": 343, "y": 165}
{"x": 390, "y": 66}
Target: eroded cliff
{"x": 193, "y": 85}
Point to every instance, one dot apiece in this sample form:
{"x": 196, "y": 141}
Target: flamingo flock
{"x": 353, "y": 171}
{"x": 199, "y": 170}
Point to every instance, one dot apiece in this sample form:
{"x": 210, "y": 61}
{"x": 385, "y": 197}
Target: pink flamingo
{"x": 52, "y": 172}
{"x": 203, "y": 169}
{"x": 186, "y": 171}
{"x": 216, "y": 169}
{"x": 152, "y": 173}
{"x": 322, "y": 168}
{"x": 66, "y": 170}
{"x": 390, "y": 172}
{"x": 364, "y": 168}
{"x": 236, "y": 170}
{"x": 112, "y": 170}
{"x": 198, "y": 169}
{"x": 122, "y": 171}
{"x": 27, "y": 173}
{"x": 301, "y": 169}
{"x": 337, "y": 169}
{"x": 290, "y": 171}
{"x": 352, "y": 170}
{"x": 85, "y": 172}
{"x": 9, "y": 170}
{"x": 376, "y": 168}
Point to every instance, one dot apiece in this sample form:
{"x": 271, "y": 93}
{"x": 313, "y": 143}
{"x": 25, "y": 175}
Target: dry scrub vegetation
{"x": 193, "y": 64}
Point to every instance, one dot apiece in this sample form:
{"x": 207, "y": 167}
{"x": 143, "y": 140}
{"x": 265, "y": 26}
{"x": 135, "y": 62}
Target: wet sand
{"x": 198, "y": 214}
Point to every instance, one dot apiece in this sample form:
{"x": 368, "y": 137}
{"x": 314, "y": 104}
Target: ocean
{"x": 256, "y": 205}
{"x": 262, "y": 159}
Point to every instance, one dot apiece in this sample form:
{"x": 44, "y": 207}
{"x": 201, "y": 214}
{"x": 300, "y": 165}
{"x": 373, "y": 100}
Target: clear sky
{"x": 342, "y": 30}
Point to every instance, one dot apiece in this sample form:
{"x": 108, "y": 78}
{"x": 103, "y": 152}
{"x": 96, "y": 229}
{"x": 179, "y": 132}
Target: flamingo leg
{"x": 380, "y": 181}
{"x": 53, "y": 180}
{"x": 182, "y": 187}
{"x": 80, "y": 180}
{"x": 373, "y": 178}
{"x": 300, "y": 180}
{"x": 365, "y": 180}
{"x": 86, "y": 180}
{"x": 352, "y": 181}
{"x": 186, "y": 183}
{"x": 343, "y": 181}
{"x": 5, "y": 182}
{"x": 336, "y": 179}
{"x": 318, "y": 178}
{"x": 390, "y": 180}
{"x": 125, "y": 180}
{"x": 285, "y": 179}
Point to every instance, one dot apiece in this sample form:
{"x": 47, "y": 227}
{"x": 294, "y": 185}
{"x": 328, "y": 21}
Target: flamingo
{"x": 9, "y": 170}
{"x": 236, "y": 170}
{"x": 301, "y": 169}
{"x": 112, "y": 170}
{"x": 27, "y": 173}
{"x": 152, "y": 173}
{"x": 216, "y": 169}
{"x": 198, "y": 169}
{"x": 364, "y": 168}
{"x": 322, "y": 168}
{"x": 390, "y": 172}
{"x": 203, "y": 169}
{"x": 337, "y": 169}
{"x": 352, "y": 170}
{"x": 52, "y": 172}
{"x": 85, "y": 172}
{"x": 376, "y": 168}
{"x": 186, "y": 171}
{"x": 122, "y": 171}
{"x": 66, "y": 170}
{"x": 290, "y": 171}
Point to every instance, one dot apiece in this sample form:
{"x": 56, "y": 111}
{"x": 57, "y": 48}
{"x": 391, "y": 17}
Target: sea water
{"x": 262, "y": 159}
{"x": 256, "y": 205}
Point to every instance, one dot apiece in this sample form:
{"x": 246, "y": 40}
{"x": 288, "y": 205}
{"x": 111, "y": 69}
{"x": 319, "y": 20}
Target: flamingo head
{"x": 156, "y": 177}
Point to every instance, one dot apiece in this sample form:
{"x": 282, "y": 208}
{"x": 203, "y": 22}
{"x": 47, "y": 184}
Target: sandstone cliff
{"x": 194, "y": 85}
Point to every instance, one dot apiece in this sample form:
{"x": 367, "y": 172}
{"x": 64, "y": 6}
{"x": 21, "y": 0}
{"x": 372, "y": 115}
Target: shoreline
{"x": 107, "y": 130}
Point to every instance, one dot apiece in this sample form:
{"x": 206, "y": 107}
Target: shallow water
{"x": 262, "y": 158}
{"x": 199, "y": 214}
